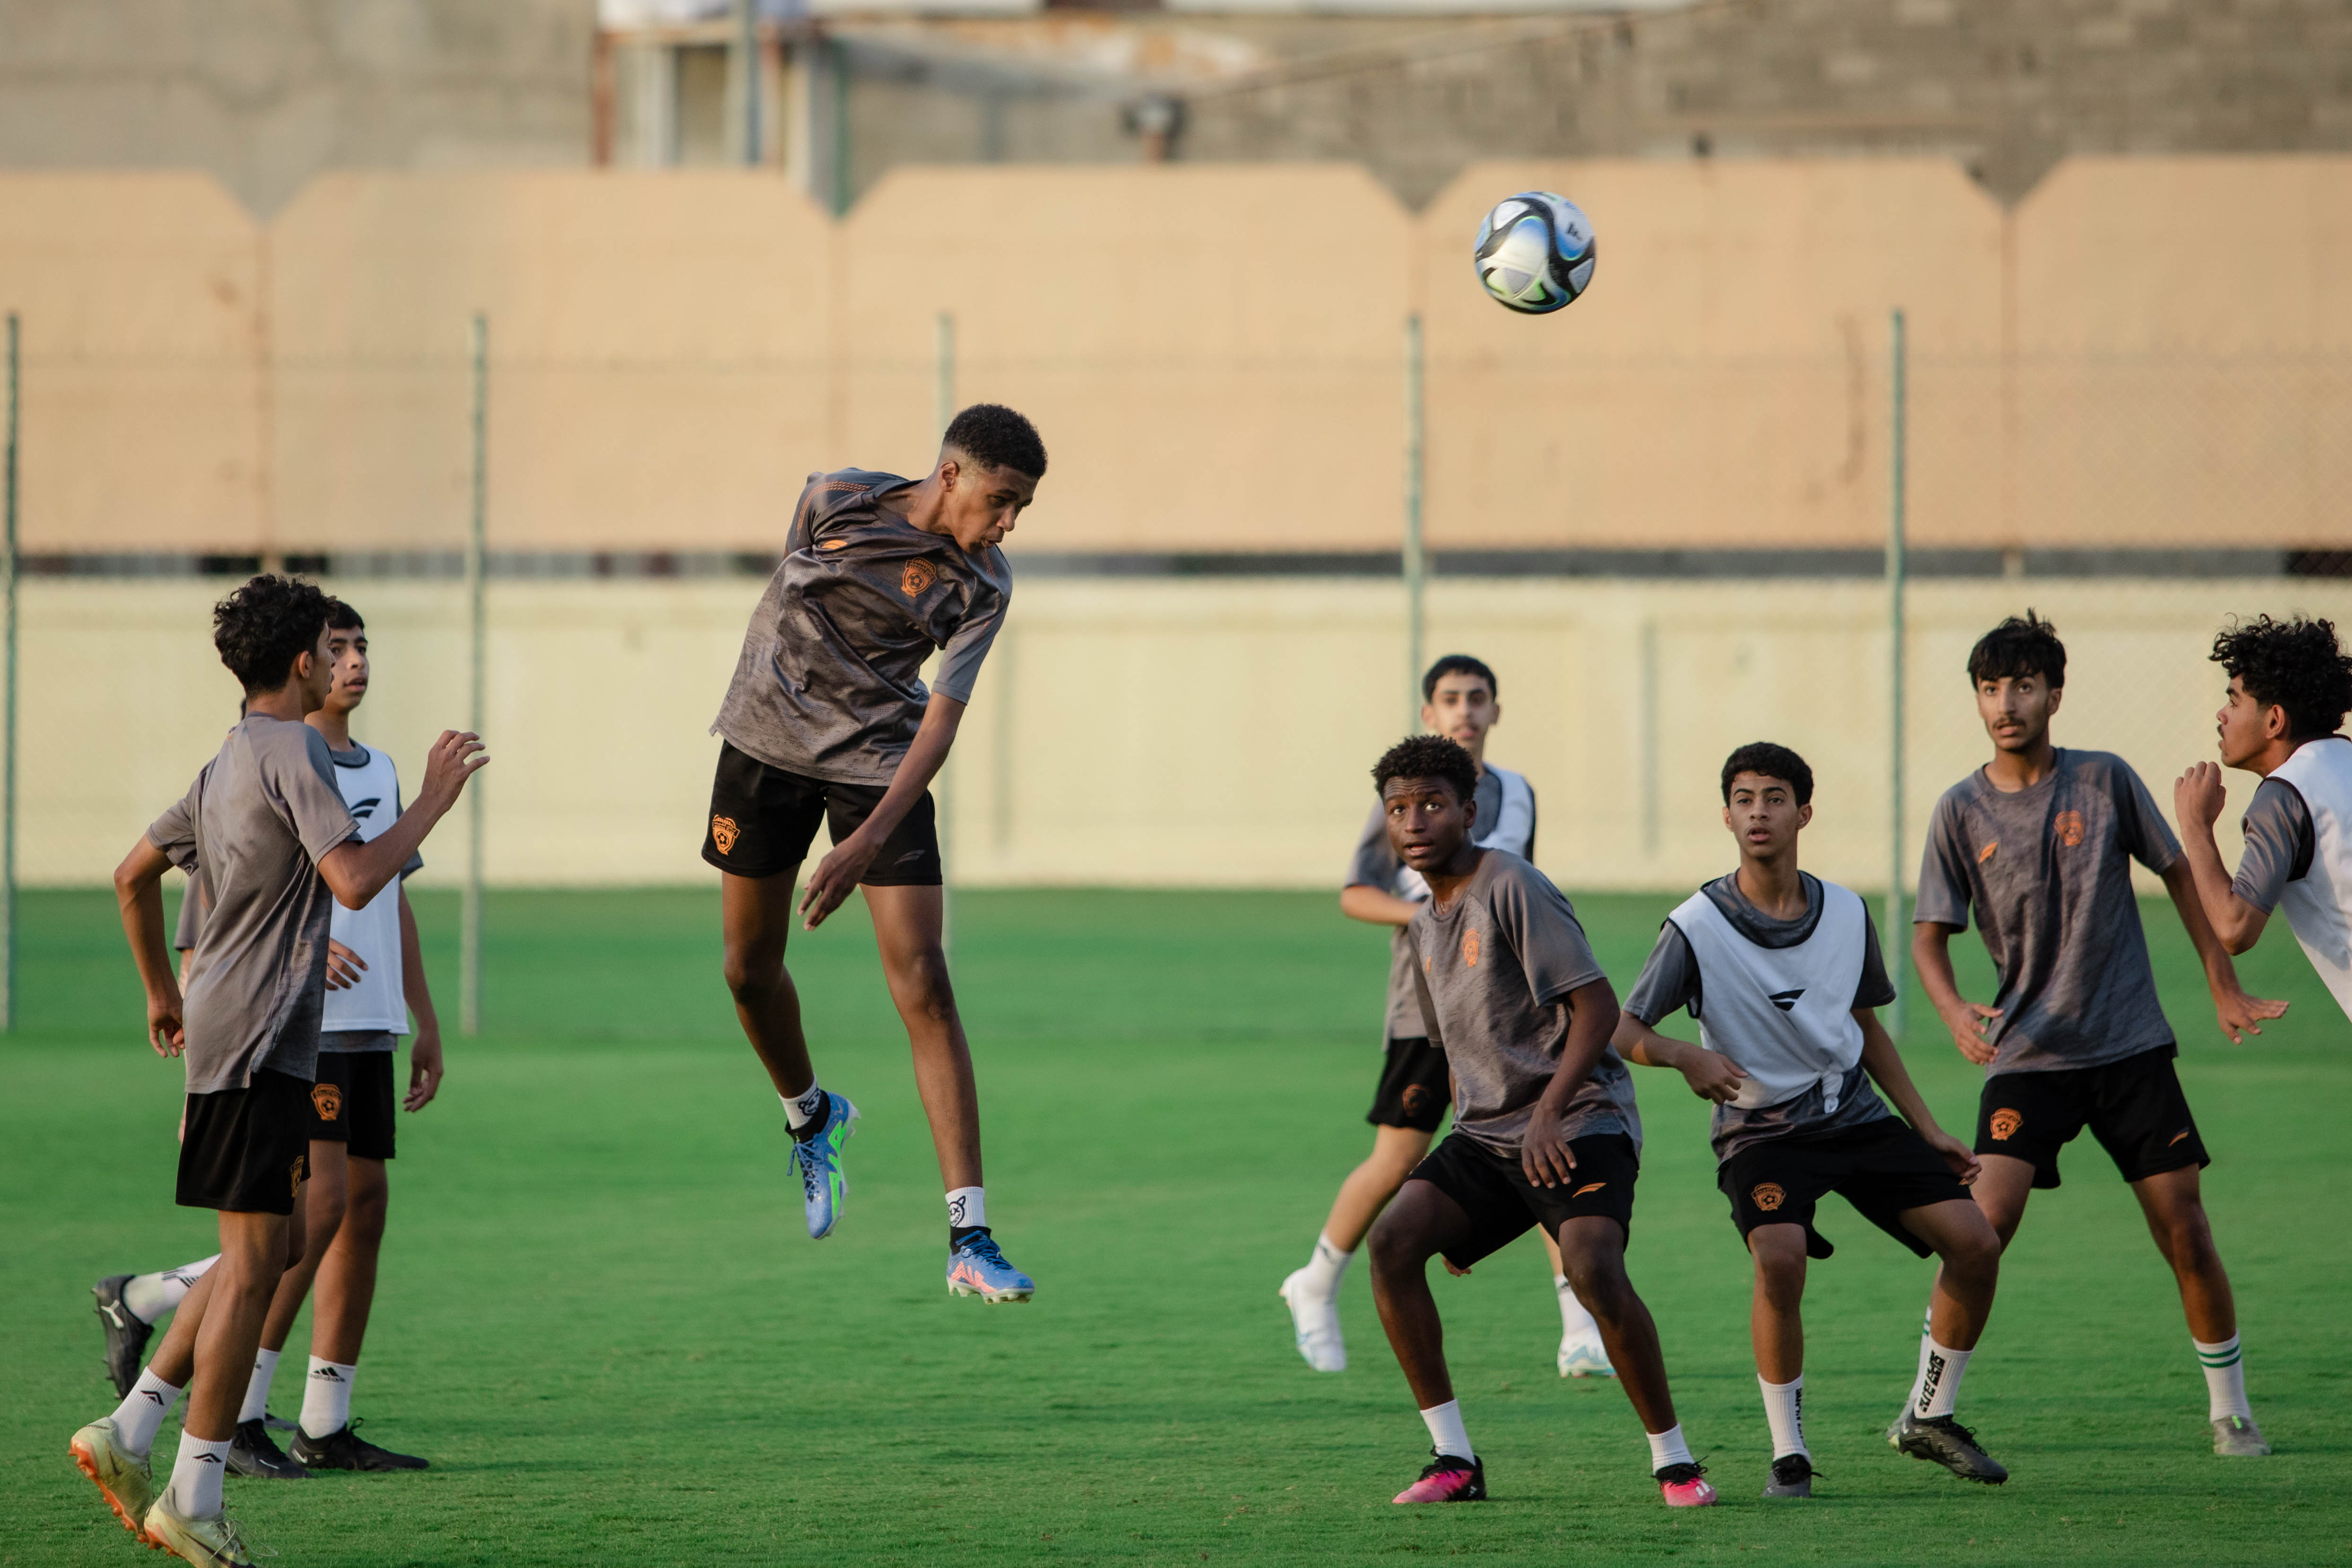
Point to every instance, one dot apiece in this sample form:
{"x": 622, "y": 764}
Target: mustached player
{"x": 1784, "y": 973}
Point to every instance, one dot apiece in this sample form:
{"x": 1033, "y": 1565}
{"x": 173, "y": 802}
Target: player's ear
{"x": 1805, "y": 814}
{"x": 2274, "y": 725}
{"x": 2057, "y": 695}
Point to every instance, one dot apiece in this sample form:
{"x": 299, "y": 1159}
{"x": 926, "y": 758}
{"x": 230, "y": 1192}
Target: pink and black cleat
{"x": 1447, "y": 1479}
{"x": 1684, "y": 1485}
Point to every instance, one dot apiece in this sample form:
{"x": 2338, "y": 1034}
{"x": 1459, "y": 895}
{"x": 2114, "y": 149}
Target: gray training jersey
{"x": 1495, "y": 971}
{"x": 258, "y": 819}
{"x": 2047, "y": 871}
{"x": 828, "y": 685}
{"x": 2279, "y": 844}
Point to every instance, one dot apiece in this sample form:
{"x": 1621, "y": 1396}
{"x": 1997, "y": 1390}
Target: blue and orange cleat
{"x": 977, "y": 1269}
{"x": 1684, "y": 1485}
{"x": 1447, "y": 1478}
{"x": 817, "y": 1153}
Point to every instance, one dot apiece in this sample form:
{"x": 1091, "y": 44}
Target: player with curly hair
{"x": 2290, "y": 687}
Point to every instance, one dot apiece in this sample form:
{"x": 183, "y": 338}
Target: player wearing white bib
{"x": 2290, "y": 686}
{"x": 1459, "y": 702}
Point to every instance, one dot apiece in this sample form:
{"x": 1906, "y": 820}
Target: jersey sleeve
{"x": 1541, "y": 926}
{"x": 1875, "y": 989}
{"x": 1945, "y": 889}
{"x": 1375, "y": 864}
{"x": 2142, "y": 830}
{"x": 174, "y": 832}
{"x": 959, "y": 662}
{"x": 301, "y": 775}
{"x": 190, "y": 927}
{"x": 2279, "y": 844}
{"x": 1668, "y": 980}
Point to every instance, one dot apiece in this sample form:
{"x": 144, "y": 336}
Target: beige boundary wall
{"x": 1157, "y": 733}
{"x": 2144, "y": 352}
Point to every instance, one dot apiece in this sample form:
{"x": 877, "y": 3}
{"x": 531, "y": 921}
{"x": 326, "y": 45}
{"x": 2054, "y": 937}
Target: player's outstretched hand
{"x": 1713, "y": 1076}
{"x": 454, "y": 758}
{"x": 2198, "y": 796}
{"x": 423, "y": 1068}
{"x": 2242, "y": 1015}
{"x": 1544, "y": 1158}
{"x": 1969, "y": 1023}
{"x": 344, "y": 966}
{"x": 1956, "y": 1155}
{"x": 838, "y": 875}
{"x": 165, "y": 1032}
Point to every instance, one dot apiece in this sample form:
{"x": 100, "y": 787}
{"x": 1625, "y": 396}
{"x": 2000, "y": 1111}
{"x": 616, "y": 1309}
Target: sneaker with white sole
{"x": 1580, "y": 1357}
{"x": 2237, "y": 1437}
{"x": 212, "y": 1543}
{"x": 976, "y": 1267}
{"x": 1314, "y": 1324}
{"x": 123, "y": 1478}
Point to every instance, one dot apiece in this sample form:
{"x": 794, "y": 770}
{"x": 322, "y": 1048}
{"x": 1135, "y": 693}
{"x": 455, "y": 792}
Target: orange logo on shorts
{"x": 1470, "y": 948}
{"x": 919, "y": 576}
{"x": 328, "y": 1098}
{"x": 1416, "y": 1099}
{"x": 2068, "y": 826}
{"x": 1768, "y": 1196}
{"x": 724, "y": 832}
{"x": 2005, "y": 1123}
{"x": 1587, "y": 1187}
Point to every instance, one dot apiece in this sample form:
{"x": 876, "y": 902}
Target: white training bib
{"x": 1784, "y": 1014}
{"x": 2315, "y": 904}
{"x": 1514, "y": 829}
{"x": 379, "y": 1003}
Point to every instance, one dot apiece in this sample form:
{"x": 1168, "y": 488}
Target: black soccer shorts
{"x": 247, "y": 1151}
{"x": 763, "y": 818}
{"x": 1415, "y": 1087}
{"x": 354, "y": 1102}
{"x": 2134, "y": 1107}
{"x": 1503, "y": 1205}
{"x": 1881, "y": 1167}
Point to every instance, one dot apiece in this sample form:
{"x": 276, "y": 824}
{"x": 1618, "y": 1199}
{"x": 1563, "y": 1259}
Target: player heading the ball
{"x": 828, "y": 719}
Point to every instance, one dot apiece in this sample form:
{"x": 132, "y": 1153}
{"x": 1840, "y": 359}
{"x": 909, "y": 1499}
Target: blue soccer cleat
{"x": 977, "y": 1269}
{"x": 823, "y": 1187}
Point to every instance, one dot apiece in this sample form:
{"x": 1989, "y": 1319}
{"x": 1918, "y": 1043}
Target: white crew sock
{"x": 140, "y": 1414}
{"x": 148, "y": 1297}
{"x": 1667, "y": 1448}
{"x": 1784, "y": 1412}
{"x": 257, "y": 1389}
{"x": 327, "y": 1398}
{"x": 196, "y": 1476}
{"x": 967, "y": 1206}
{"x": 1940, "y": 1370}
{"x": 800, "y": 1112}
{"x": 1575, "y": 1323}
{"x": 1325, "y": 1269}
{"x": 2225, "y": 1379}
{"x": 1446, "y": 1434}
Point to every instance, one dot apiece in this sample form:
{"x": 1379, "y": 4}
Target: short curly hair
{"x": 1770, "y": 762}
{"x": 2295, "y": 664}
{"x": 1457, "y": 665}
{"x": 263, "y": 627}
{"x": 993, "y": 436}
{"x": 2017, "y": 648}
{"x": 1428, "y": 757}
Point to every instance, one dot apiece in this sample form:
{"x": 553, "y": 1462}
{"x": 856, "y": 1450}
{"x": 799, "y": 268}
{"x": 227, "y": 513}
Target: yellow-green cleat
{"x": 207, "y": 1542}
{"x": 123, "y": 1478}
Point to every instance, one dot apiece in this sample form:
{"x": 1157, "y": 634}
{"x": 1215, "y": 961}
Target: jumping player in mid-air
{"x": 2290, "y": 687}
{"x": 1783, "y": 972}
{"x": 1545, "y": 1130}
{"x": 1458, "y": 697}
{"x": 827, "y": 720}
{"x": 2039, "y": 844}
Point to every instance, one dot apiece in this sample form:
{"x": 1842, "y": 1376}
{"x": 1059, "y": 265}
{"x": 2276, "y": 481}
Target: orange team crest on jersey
{"x": 920, "y": 575}
{"x": 328, "y": 1098}
{"x": 1470, "y": 948}
{"x": 2068, "y": 825}
{"x": 1769, "y": 1196}
{"x": 724, "y": 832}
{"x": 2005, "y": 1123}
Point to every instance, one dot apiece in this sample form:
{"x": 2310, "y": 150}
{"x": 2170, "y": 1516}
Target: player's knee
{"x": 751, "y": 980}
{"x": 363, "y": 1216}
{"x": 1399, "y": 1244}
{"x": 1599, "y": 1279}
{"x": 923, "y": 989}
{"x": 1974, "y": 1255}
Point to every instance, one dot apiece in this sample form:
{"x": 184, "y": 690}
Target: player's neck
{"x": 1774, "y": 887}
{"x": 336, "y": 726}
{"x": 1447, "y": 883}
{"x": 2273, "y": 755}
{"x": 284, "y": 704}
{"x": 923, "y": 505}
{"x": 2010, "y": 771}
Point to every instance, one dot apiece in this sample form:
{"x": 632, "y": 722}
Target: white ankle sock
{"x": 1575, "y": 1323}
{"x": 2225, "y": 1378}
{"x": 799, "y": 1112}
{"x": 1940, "y": 1370}
{"x": 1325, "y": 1269}
{"x": 196, "y": 1476}
{"x": 967, "y": 1206}
{"x": 1784, "y": 1412}
{"x": 257, "y": 1389}
{"x": 148, "y": 1297}
{"x": 140, "y": 1414}
{"x": 1446, "y": 1434}
{"x": 1667, "y": 1448}
{"x": 327, "y": 1398}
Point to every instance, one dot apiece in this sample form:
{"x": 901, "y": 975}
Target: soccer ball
{"x": 1535, "y": 252}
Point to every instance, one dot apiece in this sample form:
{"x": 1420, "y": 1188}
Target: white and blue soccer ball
{"x": 1535, "y": 252}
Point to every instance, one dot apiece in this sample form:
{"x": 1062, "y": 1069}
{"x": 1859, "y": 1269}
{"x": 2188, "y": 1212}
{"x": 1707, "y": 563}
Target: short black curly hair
{"x": 263, "y": 627}
{"x": 993, "y": 436}
{"x": 1428, "y": 757}
{"x": 2295, "y": 664}
{"x": 1457, "y": 665}
{"x": 2017, "y": 648}
{"x": 1770, "y": 762}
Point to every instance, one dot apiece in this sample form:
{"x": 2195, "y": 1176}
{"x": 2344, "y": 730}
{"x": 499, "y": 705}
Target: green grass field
{"x": 601, "y": 1320}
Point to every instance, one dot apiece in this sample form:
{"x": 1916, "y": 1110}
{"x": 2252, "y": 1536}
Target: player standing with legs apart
{"x": 2039, "y": 842}
{"x": 276, "y": 842}
{"x": 1784, "y": 973}
{"x": 2290, "y": 686}
{"x": 827, "y": 719}
{"x": 1545, "y": 1131}
{"x": 1459, "y": 703}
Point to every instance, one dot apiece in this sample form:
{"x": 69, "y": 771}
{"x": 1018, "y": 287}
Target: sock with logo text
{"x": 140, "y": 1414}
{"x": 2225, "y": 1379}
{"x": 1447, "y": 1433}
{"x": 1667, "y": 1448}
{"x": 196, "y": 1476}
{"x": 149, "y": 1297}
{"x": 805, "y": 1113}
{"x": 967, "y": 1215}
{"x": 1784, "y": 1412}
{"x": 1940, "y": 1370}
{"x": 1927, "y": 1338}
{"x": 327, "y": 1398}
{"x": 1326, "y": 1267}
{"x": 256, "y": 1388}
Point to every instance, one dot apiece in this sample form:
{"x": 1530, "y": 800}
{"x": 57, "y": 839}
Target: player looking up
{"x": 2290, "y": 686}
{"x": 827, "y": 719}
{"x": 1784, "y": 973}
{"x": 2039, "y": 842}
{"x": 1458, "y": 698}
{"x": 1545, "y": 1132}
{"x": 266, "y": 822}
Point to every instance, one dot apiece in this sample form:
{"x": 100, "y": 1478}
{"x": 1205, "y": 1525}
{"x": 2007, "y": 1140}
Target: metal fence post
{"x": 8, "y": 721}
{"x": 469, "y": 961}
{"x": 943, "y": 410}
{"x": 1416, "y": 566}
{"x": 1898, "y": 929}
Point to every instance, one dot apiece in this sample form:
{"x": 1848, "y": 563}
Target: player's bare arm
{"x": 1712, "y": 1076}
{"x": 2198, "y": 797}
{"x": 1374, "y": 906}
{"x": 1543, "y": 1154}
{"x": 1970, "y": 1022}
{"x": 425, "y": 1067}
{"x": 2239, "y": 1014}
{"x": 1885, "y": 1065}
{"x": 846, "y": 864}
{"x": 138, "y": 890}
{"x": 355, "y": 871}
